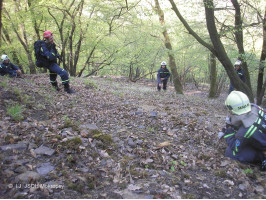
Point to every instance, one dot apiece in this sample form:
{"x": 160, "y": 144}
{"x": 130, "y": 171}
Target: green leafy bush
{"x": 16, "y": 112}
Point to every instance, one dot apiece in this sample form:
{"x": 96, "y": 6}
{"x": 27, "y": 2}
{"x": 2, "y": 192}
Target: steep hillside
{"x": 115, "y": 139}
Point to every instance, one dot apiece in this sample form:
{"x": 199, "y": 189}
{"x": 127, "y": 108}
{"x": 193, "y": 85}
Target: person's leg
{"x": 12, "y": 73}
{"x": 158, "y": 87}
{"x": 53, "y": 81}
{"x": 246, "y": 155}
{"x": 64, "y": 76}
{"x": 164, "y": 84}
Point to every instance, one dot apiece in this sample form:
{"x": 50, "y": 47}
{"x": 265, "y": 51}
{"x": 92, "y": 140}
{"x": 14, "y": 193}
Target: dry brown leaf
{"x": 163, "y": 144}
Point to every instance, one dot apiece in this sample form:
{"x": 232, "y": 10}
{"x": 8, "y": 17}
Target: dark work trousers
{"x": 55, "y": 70}
{"x": 164, "y": 82}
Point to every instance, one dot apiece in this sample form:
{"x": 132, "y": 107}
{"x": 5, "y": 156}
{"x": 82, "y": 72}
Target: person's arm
{"x": 234, "y": 141}
{"x": 2, "y": 69}
{"x": 159, "y": 77}
{"x": 14, "y": 67}
{"x": 51, "y": 56}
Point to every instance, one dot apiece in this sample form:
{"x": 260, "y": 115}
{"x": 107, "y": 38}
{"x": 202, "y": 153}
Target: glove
{"x": 228, "y": 120}
{"x": 229, "y": 130}
{"x": 220, "y": 135}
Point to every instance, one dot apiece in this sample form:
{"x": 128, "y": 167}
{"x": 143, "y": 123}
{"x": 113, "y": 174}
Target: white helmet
{"x": 163, "y": 63}
{"x": 238, "y": 103}
{"x": 4, "y": 57}
{"x": 238, "y": 62}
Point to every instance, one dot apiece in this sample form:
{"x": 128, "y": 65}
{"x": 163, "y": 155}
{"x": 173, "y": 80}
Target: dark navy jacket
{"x": 49, "y": 54}
{"x": 247, "y": 144}
{"x": 162, "y": 73}
{"x": 8, "y": 68}
{"x": 240, "y": 74}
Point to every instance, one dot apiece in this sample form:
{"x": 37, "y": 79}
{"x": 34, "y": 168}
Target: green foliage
{"x": 90, "y": 84}
{"x": 221, "y": 173}
{"x": 3, "y": 84}
{"x": 123, "y": 39}
{"x": 106, "y": 139}
{"x": 173, "y": 165}
{"x": 183, "y": 163}
{"x": 69, "y": 123}
{"x": 150, "y": 129}
{"x": 118, "y": 93}
{"x": 248, "y": 171}
{"x": 70, "y": 159}
{"x": 16, "y": 112}
{"x": 73, "y": 144}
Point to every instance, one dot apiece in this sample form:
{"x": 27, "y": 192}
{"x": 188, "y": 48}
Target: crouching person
{"x": 8, "y": 68}
{"x": 245, "y": 132}
{"x": 48, "y": 59}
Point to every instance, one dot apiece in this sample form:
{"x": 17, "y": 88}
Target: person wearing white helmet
{"x": 162, "y": 76}
{"x": 8, "y": 68}
{"x": 240, "y": 74}
{"x": 245, "y": 131}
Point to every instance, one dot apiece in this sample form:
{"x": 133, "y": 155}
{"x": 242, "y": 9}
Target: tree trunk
{"x": 260, "y": 89}
{"x": 239, "y": 41}
{"x": 213, "y": 76}
{"x": 221, "y": 53}
{"x": 33, "y": 19}
{"x": 1, "y": 4}
{"x": 167, "y": 43}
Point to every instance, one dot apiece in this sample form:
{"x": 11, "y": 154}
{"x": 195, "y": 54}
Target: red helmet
{"x": 47, "y": 34}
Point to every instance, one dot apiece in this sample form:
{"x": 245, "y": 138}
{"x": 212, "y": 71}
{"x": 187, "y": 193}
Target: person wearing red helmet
{"x": 49, "y": 55}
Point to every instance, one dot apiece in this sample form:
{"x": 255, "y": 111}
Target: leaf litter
{"x": 117, "y": 140}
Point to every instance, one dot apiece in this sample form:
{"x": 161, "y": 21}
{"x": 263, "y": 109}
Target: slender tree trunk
{"x": 167, "y": 43}
{"x": 33, "y": 19}
{"x": 221, "y": 53}
{"x": 260, "y": 88}
{"x": 1, "y": 4}
{"x": 213, "y": 76}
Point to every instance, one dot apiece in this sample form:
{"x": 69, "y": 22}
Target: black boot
{"x": 55, "y": 85}
{"x": 68, "y": 89}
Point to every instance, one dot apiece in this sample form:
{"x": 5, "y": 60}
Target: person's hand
{"x": 220, "y": 135}
{"x": 228, "y": 120}
{"x": 160, "y": 85}
{"x": 162, "y": 79}
{"x": 18, "y": 71}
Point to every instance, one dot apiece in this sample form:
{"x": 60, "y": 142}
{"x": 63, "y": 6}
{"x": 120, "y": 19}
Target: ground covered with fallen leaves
{"x": 116, "y": 139}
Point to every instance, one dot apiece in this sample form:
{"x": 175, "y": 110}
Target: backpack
{"x": 37, "y": 53}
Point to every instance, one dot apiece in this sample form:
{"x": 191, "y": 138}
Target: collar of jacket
{"x": 246, "y": 119}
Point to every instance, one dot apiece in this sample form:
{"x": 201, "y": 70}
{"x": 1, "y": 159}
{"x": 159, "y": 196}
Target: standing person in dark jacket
{"x": 48, "y": 59}
{"x": 245, "y": 131}
{"x": 7, "y": 67}
{"x": 240, "y": 74}
{"x": 162, "y": 76}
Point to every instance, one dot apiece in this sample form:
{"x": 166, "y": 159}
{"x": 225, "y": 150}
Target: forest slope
{"x": 116, "y": 139}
